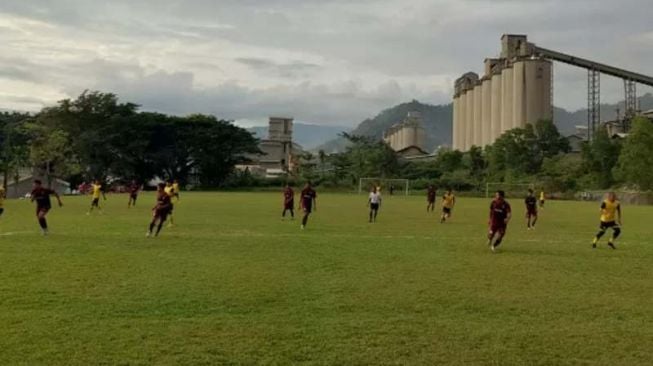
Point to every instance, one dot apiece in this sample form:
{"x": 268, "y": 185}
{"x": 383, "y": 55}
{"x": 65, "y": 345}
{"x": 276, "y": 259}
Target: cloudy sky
{"x": 322, "y": 61}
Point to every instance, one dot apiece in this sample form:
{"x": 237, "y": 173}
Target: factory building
{"x": 514, "y": 90}
{"x": 407, "y": 138}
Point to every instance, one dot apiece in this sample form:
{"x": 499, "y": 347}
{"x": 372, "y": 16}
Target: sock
{"x": 158, "y": 229}
{"x": 151, "y": 226}
{"x": 304, "y": 220}
{"x": 43, "y": 223}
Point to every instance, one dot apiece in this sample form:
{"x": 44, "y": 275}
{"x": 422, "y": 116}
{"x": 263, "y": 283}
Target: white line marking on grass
{"x": 11, "y": 233}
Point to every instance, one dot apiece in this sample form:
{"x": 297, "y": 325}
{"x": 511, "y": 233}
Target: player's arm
{"x": 619, "y": 214}
{"x": 508, "y": 215}
{"x": 56, "y": 195}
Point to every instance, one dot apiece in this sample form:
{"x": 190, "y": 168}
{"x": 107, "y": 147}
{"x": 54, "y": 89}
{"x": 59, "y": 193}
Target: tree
{"x": 51, "y": 151}
{"x": 14, "y": 150}
{"x": 600, "y": 157}
{"x": 636, "y": 158}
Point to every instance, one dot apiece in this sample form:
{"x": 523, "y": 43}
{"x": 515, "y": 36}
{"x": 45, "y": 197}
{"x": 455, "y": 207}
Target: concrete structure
{"x": 280, "y": 153}
{"x": 514, "y": 90}
{"x": 408, "y": 137}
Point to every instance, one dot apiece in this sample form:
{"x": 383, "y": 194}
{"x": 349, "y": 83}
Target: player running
{"x": 96, "y": 191}
{"x": 448, "y": 203}
{"x": 288, "y": 202}
{"x": 431, "y": 193}
{"x": 610, "y": 218}
{"x": 161, "y": 211}
{"x": 308, "y": 202}
{"x": 41, "y": 195}
{"x": 175, "y": 189}
{"x": 374, "y": 202}
{"x": 2, "y": 200}
{"x": 531, "y": 210}
{"x": 134, "y": 188}
{"x": 169, "y": 189}
{"x": 500, "y": 214}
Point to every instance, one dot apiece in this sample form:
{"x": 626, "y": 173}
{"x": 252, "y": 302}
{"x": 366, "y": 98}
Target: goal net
{"x": 514, "y": 190}
{"x": 387, "y": 186}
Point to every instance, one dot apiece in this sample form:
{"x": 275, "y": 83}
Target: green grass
{"x": 232, "y": 284}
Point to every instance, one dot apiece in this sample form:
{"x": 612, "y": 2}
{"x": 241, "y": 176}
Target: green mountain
{"x": 438, "y": 121}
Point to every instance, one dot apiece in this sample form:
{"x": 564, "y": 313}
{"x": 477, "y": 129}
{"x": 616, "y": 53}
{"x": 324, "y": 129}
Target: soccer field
{"x": 233, "y": 284}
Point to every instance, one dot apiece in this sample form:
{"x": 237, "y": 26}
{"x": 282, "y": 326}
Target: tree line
{"x": 95, "y": 136}
{"x": 536, "y": 153}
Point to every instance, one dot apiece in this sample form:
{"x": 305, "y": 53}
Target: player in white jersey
{"x": 374, "y": 202}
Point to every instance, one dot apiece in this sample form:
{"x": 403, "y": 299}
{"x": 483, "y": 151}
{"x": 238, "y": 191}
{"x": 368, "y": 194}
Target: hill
{"x": 437, "y": 121}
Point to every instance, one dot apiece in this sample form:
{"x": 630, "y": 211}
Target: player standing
{"x": 161, "y": 210}
{"x": 374, "y": 202}
{"x": 134, "y": 188}
{"x": 610, "y": 218}
{"x": 96, "y": 191}
{"x": 531, "y": 210}
{"x": 288, "y": 202}
{"x": 448, "y": 203}
{"x": 169, "y": 189}
{"x": 500, "y": 214}
{"x": 308, "y": 202}
{"x": 431, "y": 193}
{"x": 542, "y": 199}
{"x": 41, "y": 195}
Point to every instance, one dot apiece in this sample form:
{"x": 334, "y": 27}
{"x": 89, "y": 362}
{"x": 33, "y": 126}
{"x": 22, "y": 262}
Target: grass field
{"x": 232, "y": 284}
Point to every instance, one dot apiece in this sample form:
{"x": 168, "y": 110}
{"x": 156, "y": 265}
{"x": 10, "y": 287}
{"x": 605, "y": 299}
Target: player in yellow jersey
{"x": 2, "y": 200}
{"x": 542, "y": 199}
{"x": 448, "y": 202}
{"x": 175, "y": 189}
{"x": 96, "y": 192}
{"x": 170, "y": 191}
{"x": 610, "y": 218}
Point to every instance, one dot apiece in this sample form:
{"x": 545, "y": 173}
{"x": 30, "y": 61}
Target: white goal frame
{"x": 363, "y": 183}
{"x": 490, "y": 187}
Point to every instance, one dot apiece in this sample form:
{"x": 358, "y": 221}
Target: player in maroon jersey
{"x": 288, "y": 202}
{"x": 500, "y": 214}
{"x": 41, "y": 195}
{"x": 531, "y": 210}
{"x": 308, "y": 202}
{"x": 431, "y": 193}
{"x": 161, "y": 211}
{"x": 134, "y": 188}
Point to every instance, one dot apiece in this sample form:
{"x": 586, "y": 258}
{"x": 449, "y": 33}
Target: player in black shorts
{"x": 161, "y": 211}
{"x": 531, "y": 210}
{"x": 134, "y": 188}
{"x": 41, "y": 196}
{"x": 308, "y": 202}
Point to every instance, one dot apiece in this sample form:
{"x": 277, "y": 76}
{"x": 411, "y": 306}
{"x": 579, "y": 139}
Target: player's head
{"x": 373, "y": 189}
{"x": 612, "y": 196}
{"x": 97, "y": 181}
{"x": 160, "y": 186}
{"x": 169, "y": 182}
{"x": 176, "y": 181}
{"x": 530, "y": 192}
{"x": 37, "y": 183}
{"x": 500, "y": 194}
{"x": 450, "y": 191}
{"x": 308, "y": 184}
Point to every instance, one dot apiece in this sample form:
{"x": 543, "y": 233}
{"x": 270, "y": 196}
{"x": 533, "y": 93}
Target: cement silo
{"x": 455, "y": 124}
{"x": 495, "y": 101}
{"x": 410, "y": 136}
{"x": 537, "y": 77}
{"x": 519, "y": 90}
{"x": 507, "y": 98}
{"x": 462, "y": 111}
{"x": 478, "y": 115}
{"x": 469, "y": 138}
{"x": 486, "y": 112}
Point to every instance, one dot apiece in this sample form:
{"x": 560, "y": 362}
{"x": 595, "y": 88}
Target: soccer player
{"x": 500, "y": 214}
{"x": 288, "y": 202}
{"x": 431, "y": 193}
{"x": 531, "y": 210}
{"x": 96, "y": 191}
{"x": 175, "y": 189}
{"x": 610, "y": 218}
{"x": 134, "y": 188}
{"x": 161, "y": 210}
{"x": 2, "y": 200}
{"x": 374, "y": 202}
{"x": 542, "y": 199}
{"x": 308, "y": 202}
{"x": 169, "y": 189}
{"x": 448, "y": 202}
{"x": 41, "y": 195}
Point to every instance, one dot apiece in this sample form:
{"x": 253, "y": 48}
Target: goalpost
{"x": 512, "y": 189}
{"x": 400, "y": 185}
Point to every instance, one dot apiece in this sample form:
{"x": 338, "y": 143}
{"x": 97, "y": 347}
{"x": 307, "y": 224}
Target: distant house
{"x": 411, "y": 151}
{"x": 25, "y": 184}
{"x": 576, "y": 143}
